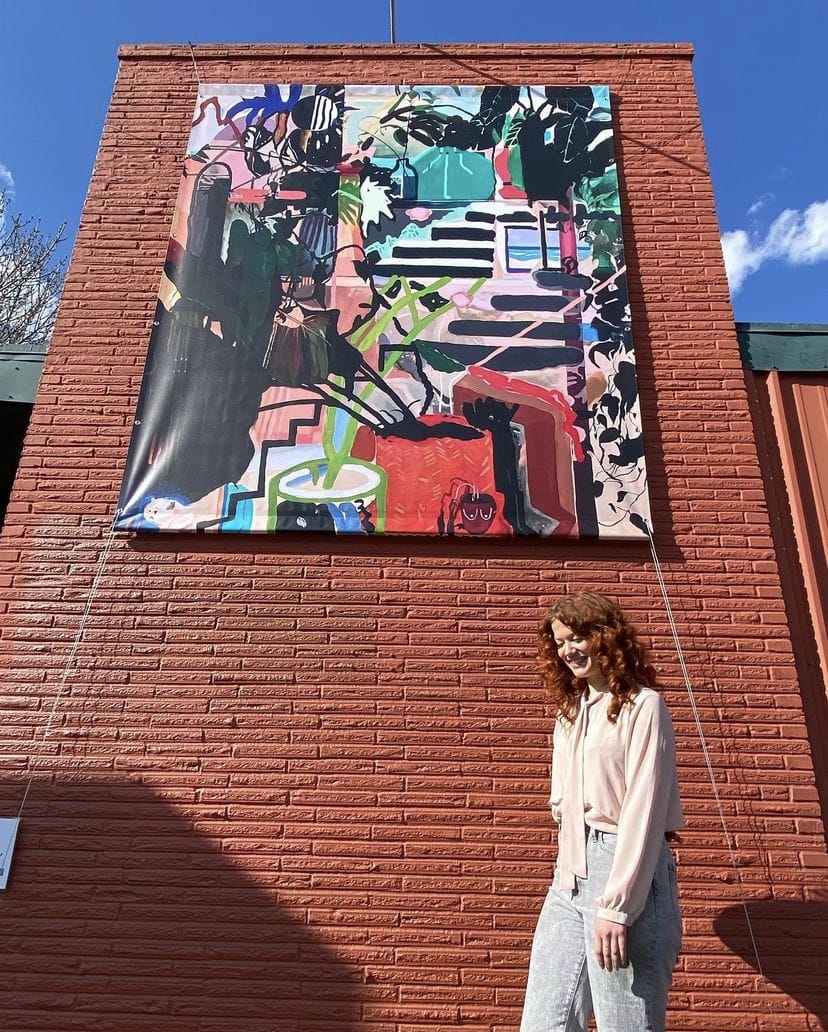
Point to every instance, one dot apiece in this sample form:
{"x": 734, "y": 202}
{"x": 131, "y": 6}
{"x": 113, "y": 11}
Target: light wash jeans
{"x": 566, "y": 984}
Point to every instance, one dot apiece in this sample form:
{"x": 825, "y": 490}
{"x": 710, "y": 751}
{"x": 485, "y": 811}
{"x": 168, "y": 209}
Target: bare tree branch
{"x": 31, "y": 279}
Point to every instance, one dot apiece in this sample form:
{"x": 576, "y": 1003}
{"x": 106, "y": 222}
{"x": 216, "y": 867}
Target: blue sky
{"x": 759, "y": 72}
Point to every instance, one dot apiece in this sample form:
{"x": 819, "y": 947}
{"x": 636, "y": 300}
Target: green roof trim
{"x": 19, "y": 376}
{"x": 787, "y": 347}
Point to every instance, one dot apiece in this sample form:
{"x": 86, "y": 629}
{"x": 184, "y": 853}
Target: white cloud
{"x": 763, "y": 202}
{"x": 7, "y": 184}
{"x": 794, "y": 237}
{"x": 739, "y": 258}
{"x": 6, "y": 178}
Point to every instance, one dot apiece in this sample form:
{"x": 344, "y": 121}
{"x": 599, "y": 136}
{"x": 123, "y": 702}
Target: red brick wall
{"x": 298, "y": 782}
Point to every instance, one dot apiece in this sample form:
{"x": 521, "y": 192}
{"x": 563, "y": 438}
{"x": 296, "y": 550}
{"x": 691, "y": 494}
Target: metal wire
{"x": 67, "y": 669}
{"x": 195, "y": 66}
{"x": 706, "y": 753}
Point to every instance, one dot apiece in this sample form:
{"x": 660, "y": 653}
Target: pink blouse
{"x": 619, "y": 778}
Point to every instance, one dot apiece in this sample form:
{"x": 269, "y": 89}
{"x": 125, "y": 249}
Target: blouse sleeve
{"x": 559, "y": 766}
{"x": 650, "y": 775}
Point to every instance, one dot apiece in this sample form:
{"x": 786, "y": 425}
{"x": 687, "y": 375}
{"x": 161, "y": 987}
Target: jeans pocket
{"x": 674, "y": 896}
{"x": 605, "y": 841}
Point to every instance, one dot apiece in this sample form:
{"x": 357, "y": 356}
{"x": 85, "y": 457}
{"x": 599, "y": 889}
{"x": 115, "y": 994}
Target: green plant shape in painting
{"x": 338, "y": 439}
{"x": 349, "y": 205}
{"x": 600, "y": 195}
{"x": 436, "y": 359}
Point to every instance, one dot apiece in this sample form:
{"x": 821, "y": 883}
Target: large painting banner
{"x": 393, "y": 309}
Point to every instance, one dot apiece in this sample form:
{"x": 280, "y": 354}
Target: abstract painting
{"x": 393, "y": 309}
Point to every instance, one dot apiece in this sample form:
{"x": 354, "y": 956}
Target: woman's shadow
{"x": 121, "y": 916}
{"x": 791, "y": 939}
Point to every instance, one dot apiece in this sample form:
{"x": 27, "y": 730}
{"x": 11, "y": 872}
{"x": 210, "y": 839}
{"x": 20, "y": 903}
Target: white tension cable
{"x": 710, "y": 773}
{"x": 8, "y": 839}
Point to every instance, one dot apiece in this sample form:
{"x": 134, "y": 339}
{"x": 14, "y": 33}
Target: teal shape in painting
{"x": 449, "y": 174}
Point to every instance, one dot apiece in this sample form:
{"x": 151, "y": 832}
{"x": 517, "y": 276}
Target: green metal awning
{"x": 787, "y": 347}
{"x": 20, "y": 375}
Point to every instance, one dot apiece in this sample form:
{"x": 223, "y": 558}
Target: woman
{"x": 610, "y": 930}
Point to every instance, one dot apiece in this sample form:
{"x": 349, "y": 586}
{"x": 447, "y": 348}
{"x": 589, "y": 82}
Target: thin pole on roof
{"x": 393, "y": 13}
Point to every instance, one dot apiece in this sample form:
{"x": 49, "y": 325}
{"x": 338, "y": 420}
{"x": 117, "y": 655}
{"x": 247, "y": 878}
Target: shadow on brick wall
{"x": 123, "y": 915}
{"x": 792, "y": 943}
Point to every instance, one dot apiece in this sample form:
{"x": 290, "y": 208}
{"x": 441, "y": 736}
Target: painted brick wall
{"x": 298, "y": 783}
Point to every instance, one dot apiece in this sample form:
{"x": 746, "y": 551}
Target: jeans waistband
{"x": 599, "y": 836}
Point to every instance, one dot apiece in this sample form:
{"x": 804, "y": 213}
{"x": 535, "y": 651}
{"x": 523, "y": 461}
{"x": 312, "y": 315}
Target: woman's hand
{"x": 610, "y": 944}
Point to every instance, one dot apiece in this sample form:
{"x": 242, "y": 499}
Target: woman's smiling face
{"x": 578, "y": 652}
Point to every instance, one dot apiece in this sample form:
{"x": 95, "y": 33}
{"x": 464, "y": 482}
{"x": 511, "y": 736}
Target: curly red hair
{"x": 621, "y": 657}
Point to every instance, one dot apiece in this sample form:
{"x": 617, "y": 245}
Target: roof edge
{"x": 784, "y": 328}
{"x": 297, "y": 51}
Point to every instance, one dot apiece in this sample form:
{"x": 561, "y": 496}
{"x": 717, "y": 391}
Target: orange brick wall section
{"x": 299, "y": 783}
